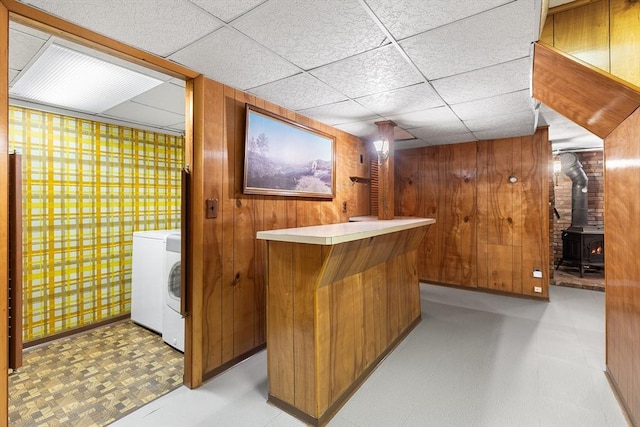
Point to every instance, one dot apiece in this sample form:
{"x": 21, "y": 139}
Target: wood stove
{"x": 583, "y": 247}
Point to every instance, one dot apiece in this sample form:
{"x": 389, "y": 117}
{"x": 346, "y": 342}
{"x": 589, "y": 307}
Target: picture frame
{"x": 285, "y": 158}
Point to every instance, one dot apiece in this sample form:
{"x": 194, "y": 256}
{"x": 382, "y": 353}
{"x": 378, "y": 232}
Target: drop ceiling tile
{"x": 132, "y": 112}
{"x": 496, "y": 105}
{"x": 340, "y": 112}
{"x": 437, "y": 134}
{"x": 227, "y": 10}
{"x": 400, "y": 134}
{"x": 299, "y": 92}
{"x": 410, "y": 143}
{"x": 160, "y": 27}
{"x": 453, "y": 138}
{"x": 435, "y": 118}
{"x": 245, "y": 66}
{"x": 505, "y": 125}
{"x": 410, "y": 17}
{"x": 365, "y": 129}
{"x": 312, "y": 33}
{"x": 28, "y": 30}
{"x": 404, "y": 100}
{"x": 22, "y": 48}
{"x": 167, "y": 96}
{"x": 485, "y": 82}
{"x": 490, "y": 38}
{"x": 372, "y": 72}
{"x": 505, "y": 132}
{"x": 12, "y": 75}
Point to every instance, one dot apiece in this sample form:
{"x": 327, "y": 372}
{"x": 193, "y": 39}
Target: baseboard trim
{"x": 74, "y": 331}
{"x": 485, "y": 290}
{"x": 620, "y": 399}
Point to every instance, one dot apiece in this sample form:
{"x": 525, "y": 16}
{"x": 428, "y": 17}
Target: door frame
{"x": 11, "y": 10}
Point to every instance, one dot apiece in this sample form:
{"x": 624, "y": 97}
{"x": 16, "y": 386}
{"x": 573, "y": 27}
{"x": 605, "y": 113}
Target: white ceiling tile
{"x": 28, "y": 30}
{"x": 504, "y": 132}
{"x": 340, "y": 112}
{"x": 299, "y": 92}
{"x": 409, "y": 17}
{"x": 244, "y": 66}
{"x": 366, "y": 129}
{"x": 130, "y": 111}
{"x": 492, "y": 37}
{"x": 563, "y": 131}
{"x": 496, "y": 105}
{"x": 435, "y": 118}
{"x": 161, "y": 27}
{"x": 400, "y": 134}
{"x": 486, "y": 82}
{"x": 521, "y": 123}
{"x": 312, "y": 33}
{"x": 227, "y": 10}
{"x": 412, "y": 98}
{"x": 369, "y": 73}
{"x": 22, "y": 47}
{"x": 167, "y": 96}
{"x": 12, "y": 75}
{"x": 453, "y": 138}
{"x": 410, "y": 143}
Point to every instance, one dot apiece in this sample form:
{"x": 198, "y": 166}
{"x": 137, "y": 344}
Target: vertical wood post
{"x": 386, "y": 201}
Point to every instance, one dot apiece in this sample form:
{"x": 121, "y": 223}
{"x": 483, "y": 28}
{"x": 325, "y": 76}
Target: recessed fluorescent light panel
{"x": 73, "y": 80}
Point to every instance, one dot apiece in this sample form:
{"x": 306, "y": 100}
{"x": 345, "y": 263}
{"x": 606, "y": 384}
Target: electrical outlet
{"x": 344, "y": 207}
{"x": 537, "y": 274}
{"x": 537, "y": 289}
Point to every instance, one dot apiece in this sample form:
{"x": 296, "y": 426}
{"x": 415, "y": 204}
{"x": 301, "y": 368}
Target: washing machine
{"x": 172, "y": 320}
{"x": 147, "y": 279}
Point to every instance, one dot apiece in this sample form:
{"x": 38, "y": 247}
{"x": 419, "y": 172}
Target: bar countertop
{"x": 333, "y": 234}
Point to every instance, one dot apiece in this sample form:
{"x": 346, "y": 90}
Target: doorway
{"x": 90, "y": 181}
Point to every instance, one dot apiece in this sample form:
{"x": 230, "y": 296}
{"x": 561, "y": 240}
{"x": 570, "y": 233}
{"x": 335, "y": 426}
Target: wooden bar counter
{"x": 340, "y": 297}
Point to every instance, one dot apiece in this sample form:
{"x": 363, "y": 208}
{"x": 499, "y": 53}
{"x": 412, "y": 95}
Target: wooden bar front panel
{"x": 328, "y": 323}
{"x": 228, "y": 289}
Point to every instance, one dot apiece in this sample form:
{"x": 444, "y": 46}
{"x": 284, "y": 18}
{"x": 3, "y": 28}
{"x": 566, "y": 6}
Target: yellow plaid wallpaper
{"x": 87, "y": 186}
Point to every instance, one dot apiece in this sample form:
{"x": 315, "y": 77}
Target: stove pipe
{"x": 573, "y": 169}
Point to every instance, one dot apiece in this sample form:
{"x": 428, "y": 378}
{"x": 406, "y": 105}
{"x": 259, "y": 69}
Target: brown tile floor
{"x": 570, "y": 276}
{"x": 93, "y": 378}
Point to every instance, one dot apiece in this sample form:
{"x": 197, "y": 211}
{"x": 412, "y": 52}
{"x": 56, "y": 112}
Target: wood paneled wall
{"x": 4, "y": 209}
{"x": 489, "y": 233}
{"x": 227, "y": 307}
{"x": 622, "y": 209}
{"x": 605, "y": 34}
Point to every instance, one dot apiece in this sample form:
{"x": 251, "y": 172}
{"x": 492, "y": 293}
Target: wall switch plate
{"x": 212, "y": 208}
{"x": 537, "y": 274}
{"x": 537, "y": 289}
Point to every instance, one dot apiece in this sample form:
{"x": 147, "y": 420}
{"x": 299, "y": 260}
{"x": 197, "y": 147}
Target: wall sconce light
{"x": 557, "y": 167}
{"x": 382, "y": 148}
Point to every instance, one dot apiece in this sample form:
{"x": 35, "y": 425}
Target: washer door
{"x": 173, "y": 287}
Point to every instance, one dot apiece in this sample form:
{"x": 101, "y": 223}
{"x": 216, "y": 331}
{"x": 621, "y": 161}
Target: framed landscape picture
{"x": 284, "y": 158}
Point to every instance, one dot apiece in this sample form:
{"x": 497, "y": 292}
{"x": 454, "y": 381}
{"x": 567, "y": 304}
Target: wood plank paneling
{"x": 584, "y": 33}
{"x": 584, "y": 95}
{"x": 208, "y": 139}
{"x": 280, "y": 317}
{"x": 487, "y": 236}
{"x": 625, "y": 40}
{"x": 4, "y": 197}
{"x": 622, "y": 208}
{"x": 457, "y": 214}
{"x": 535, "y": 211}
